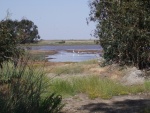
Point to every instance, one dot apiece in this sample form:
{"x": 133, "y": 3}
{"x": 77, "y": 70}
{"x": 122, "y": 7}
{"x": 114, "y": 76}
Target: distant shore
{"x": 63, "y": 42}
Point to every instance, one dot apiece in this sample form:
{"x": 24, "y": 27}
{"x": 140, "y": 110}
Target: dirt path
{"x": 119, "y": 104}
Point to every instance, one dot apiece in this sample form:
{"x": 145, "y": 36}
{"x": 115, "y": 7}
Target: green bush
{"x": 9, "y": 45}
{"x": 24, "y": 89}
{"x": 123, "y": 29}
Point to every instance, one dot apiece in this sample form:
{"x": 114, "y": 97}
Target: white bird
{"x": 73, "y": 52}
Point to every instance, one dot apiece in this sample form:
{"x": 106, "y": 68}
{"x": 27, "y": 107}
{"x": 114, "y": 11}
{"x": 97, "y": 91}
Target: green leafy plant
{"x": 24, "y": 89}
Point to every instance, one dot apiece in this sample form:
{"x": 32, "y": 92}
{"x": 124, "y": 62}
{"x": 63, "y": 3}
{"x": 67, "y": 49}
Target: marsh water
{"x": 64, "y": 56}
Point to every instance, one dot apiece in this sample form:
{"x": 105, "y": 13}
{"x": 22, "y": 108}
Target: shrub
{"x": 23, "y": 89}
{"x": 123, "y": 28}
{"x": 9, "y": 45}
{"x": 12, "y": 34}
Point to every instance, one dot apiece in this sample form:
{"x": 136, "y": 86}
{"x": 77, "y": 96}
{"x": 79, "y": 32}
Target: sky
{"x": 56, "y": 19}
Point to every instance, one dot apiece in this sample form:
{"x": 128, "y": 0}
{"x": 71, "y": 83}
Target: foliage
{"x": 123, "y": 28}
{"x": 36, "y": 56}
{"x": 146, "y": 110}
{"x": 23, "y": 89}
{"x": 24, "y": 31}
{"x": 27, "y": 31}
{"x": 13, "y": 33}
{"x": 9, "y": 44}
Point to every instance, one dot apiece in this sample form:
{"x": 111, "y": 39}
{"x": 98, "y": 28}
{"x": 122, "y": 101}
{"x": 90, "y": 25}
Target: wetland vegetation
{"x": 29, "y": 83}
{"x": 64, "y": 42}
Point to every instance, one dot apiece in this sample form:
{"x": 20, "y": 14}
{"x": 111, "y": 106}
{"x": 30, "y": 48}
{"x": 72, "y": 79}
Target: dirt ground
{"x": 119, "y": 104}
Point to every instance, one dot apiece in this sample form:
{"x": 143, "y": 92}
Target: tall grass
{"x": 68, "y": 69}
{"x": 23, "y": 89}
{"x": 93, "y": 61}
{"x": 147, "y": 85}
{"x": 36, "y": 56}
{"x": 95, "y": 87}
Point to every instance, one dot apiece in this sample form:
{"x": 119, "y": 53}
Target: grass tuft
{"x": 93, "y": 61}
{"x": 95, "y": 87}
{"x": 147, "y": 85}
{"x": 74, "y": 69}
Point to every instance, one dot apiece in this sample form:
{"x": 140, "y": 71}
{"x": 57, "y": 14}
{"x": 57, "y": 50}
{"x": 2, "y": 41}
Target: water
{"x": 64, "y": 56}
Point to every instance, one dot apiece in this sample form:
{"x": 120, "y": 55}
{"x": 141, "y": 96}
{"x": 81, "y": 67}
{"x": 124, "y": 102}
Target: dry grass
{"x": 46, "y": 52}
{"x": 64, "y": 42}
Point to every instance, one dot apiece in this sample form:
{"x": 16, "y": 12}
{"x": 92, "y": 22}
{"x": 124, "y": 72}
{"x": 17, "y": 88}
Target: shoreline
{"x": 53, "y": 52}
{"x": 62, "y": 42}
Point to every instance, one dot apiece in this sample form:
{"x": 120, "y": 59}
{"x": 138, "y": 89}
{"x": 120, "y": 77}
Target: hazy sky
{"x": 56, "y": 19}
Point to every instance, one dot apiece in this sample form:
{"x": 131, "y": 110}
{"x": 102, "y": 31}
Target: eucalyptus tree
{"x": 123, "y": 28}
{"x": 27, "y": 31}
{"x": 12, "y": 34}
{"x": 9, "y": 44}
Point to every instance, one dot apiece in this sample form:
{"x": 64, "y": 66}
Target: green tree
{"x": 12, "y": 34}
{"x": 27, "y": 31}
{"x": 23, "y": 88}
{"x": 9, "y": 44}
{"x": 123, "y": 28}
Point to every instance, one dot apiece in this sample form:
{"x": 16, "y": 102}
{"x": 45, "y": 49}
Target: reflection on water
{"x": 64, "y": 56}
